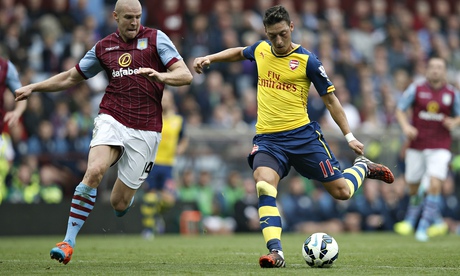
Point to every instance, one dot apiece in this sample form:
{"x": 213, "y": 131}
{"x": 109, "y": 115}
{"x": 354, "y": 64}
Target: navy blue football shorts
{"x": 303, "y": 148}
{"x": 158, "y": 176}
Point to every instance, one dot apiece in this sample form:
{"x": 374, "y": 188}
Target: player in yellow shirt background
{"x": 161, "y": 192}
{"x": 285, "y": 136}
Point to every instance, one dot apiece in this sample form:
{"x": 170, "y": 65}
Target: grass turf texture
{"x": 360, "y": 254}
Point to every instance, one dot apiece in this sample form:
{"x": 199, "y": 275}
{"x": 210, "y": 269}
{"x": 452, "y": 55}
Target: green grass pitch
{"x": 122, "y": 254}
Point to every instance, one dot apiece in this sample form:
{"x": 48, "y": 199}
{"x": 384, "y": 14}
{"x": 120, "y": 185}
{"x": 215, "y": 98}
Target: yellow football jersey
{"x": 170, "y": 135}
{"x": 283, "y": 85}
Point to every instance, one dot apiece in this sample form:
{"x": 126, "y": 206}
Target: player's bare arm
{"x": 228, "y": 55}
{"x": 338, "y": 114}
{"x": 12, "y": 117}
{"x": 409, "y": 131}
{"x": 59, "y": 82}
{"x": 178, "y": 74}
{"x": 451, "y": 122}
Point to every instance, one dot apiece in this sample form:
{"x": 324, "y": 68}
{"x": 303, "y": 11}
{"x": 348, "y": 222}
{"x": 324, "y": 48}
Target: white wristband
{"x": 350, "y": 137}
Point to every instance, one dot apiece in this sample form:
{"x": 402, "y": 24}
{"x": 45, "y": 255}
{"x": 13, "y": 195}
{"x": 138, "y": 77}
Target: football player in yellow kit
{"x": 285, "y": 136}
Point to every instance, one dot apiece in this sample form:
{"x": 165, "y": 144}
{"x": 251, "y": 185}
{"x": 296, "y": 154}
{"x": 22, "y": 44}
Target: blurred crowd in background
{"x": 371, "y": 49}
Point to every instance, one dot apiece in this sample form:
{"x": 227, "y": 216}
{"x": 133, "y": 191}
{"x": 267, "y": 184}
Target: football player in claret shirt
{"x": 285, "y": 136}
{"x": 9, "y": 78}
{"x": 139, "y": 62}
{"x": 435, "y": 108}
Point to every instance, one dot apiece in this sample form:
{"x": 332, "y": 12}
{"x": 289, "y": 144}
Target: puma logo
{"x": 264, "y": 221}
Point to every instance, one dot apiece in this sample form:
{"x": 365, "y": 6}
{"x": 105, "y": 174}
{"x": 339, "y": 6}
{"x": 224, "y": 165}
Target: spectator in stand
{"x": 34, "y": 12}
{"x": 394, "y": 199}
{"x": 50, "y": 152}
{"x": 331, "y": 8}
{"x": 453, "y": 41}
{"x": 167, "y": 16}
{"x": 255, "y": 14}
{"x": 83, "y": 118}
{"x": 197, "y": 39}
{"x": 77, "y": 150}
{"x": 44, "y": 144}
{"x": 211, "y": 96}
{"x": 237, "y": 15}
{"x": 232, "y": 192}
{"x": 361, "y": 11}
{"x": 28, "y": 185}
{"x": 422, "y": 14}
{"x": 77, "y": 45}
{"x": 346, "y": 64}
{"x": 93, "y": 32}
{"x": 221, "y": 118}
{"x": 25, "y": 184}
{"x": 21, "y": 18}
{"x": 78, "y": 11}
{"x": 205, "y": 197}
{"x": 249, "y": 104}
{"x": 379, "y": 14}
{"x": 60, "y": 9}
{"x": 187, "y": 188}
{"x": 309, "y": 15}
{"x": 369, "y": 207}
{"x": 371, "y": 111}
{"x": 220, "y": 20}
{"x": 51, "y": 191}
{"x": 59, "y": 117}
{"x": 380, "y": 70}
{"x": 95, "y": 8}
{"x": 442, "y": 11}
{"x": 214, "y": 220}
{"x": 192, "y": 9}
{"x": 453, "y": 25}
{"x": 246, "y": 215}
{"x": 107, "y": 26}
{"x": 325, "y": 50}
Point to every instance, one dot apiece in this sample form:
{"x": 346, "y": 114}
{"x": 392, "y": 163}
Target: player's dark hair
{"x": 435, "y": 56}
{"x": 275, "y": 15}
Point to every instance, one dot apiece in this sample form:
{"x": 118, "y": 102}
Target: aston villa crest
{"x": 142, "y": 43}
{"x": 446, "y": 99}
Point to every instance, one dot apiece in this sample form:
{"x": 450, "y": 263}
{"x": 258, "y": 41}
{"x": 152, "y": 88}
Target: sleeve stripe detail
{"x": 330, "y": 89}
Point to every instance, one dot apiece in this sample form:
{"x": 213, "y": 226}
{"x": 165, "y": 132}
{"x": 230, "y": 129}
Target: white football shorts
{"x": 139, "y": 148}
{"x": 433, "y": 162}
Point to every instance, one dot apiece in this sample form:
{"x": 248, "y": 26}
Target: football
{"x": 320, "y": 250}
